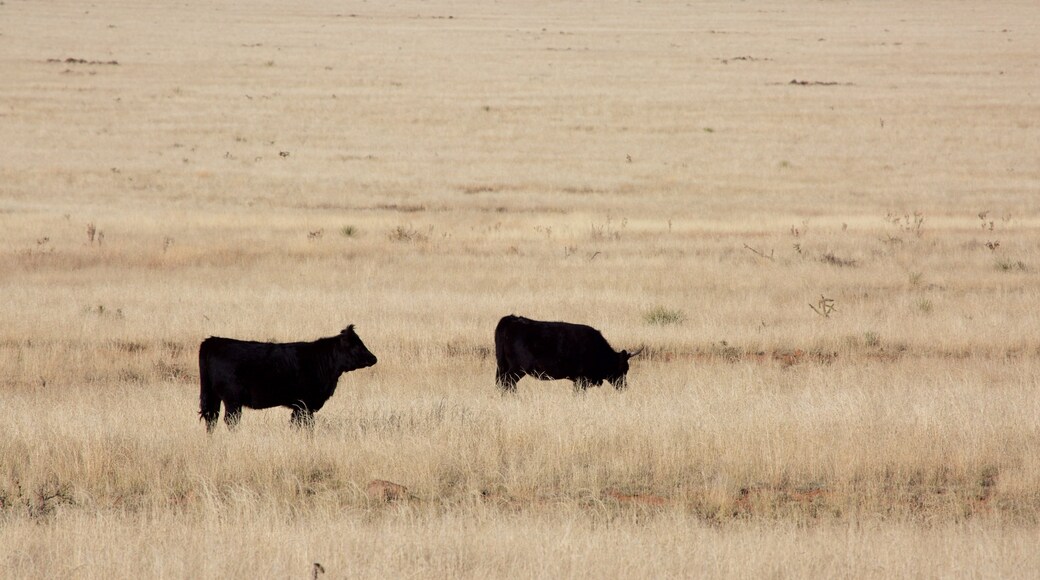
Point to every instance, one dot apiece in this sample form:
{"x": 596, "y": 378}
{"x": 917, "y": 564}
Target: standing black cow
{"x": 556, "y": 350}
{"x": 260, "y": 375}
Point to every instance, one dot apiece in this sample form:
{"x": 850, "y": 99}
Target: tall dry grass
{"x": 276, "y": 172}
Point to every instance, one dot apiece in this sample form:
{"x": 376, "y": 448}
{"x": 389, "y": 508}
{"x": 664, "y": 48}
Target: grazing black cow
{"x": 556, "y": 350}
{"x": 260, "y": 375}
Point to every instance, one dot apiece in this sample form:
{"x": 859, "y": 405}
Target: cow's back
{"x": 551, "y": 349}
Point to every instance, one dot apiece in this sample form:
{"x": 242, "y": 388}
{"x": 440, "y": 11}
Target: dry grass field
{"x": 821, "y": 219}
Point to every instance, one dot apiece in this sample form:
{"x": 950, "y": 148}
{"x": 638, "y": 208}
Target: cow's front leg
{"x": 232, "y": 415}
{"x": 302, "y": 417}
{"x": 506, "y": 380}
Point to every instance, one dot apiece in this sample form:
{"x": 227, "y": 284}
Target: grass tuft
{"x": 661, "y": 316}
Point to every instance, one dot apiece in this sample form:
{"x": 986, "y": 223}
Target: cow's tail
{"x": 505, "y": 377}
{"x": 209, "y": 401}
{"x": 501, "y": 338}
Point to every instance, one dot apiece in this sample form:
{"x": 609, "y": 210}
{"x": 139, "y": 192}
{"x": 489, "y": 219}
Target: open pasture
{"x": 821, "y": 220}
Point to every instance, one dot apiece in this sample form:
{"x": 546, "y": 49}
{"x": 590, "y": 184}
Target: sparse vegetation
{"x": 101, "y": 311}
{"x": 35, "y": 504}
{"x": 799, "y": 231}
{"x": 768, "y": 256}
{"x": 1009, "y": 265}
{"x": 824, "y": 306}
{"x": 830, "y": 258}
{"x": 407, "y": 234}
{"x": 988, "y": 224}
{"x": 608, "y": 230}
{"x": 911, "y": 223}
{"x": 873, "y": 436}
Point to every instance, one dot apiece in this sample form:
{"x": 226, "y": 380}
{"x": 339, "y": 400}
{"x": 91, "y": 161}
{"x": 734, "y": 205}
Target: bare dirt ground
{"x": 821, "y": 220}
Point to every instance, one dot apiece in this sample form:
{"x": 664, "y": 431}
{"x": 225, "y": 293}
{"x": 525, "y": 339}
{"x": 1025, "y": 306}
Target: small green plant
{"x": 348, "y": 231}
{"x": 924, "y": 305}
{"x": 915, "y": 279}
{"x": 871, "y": 338}
{"x": 661, "y": 316}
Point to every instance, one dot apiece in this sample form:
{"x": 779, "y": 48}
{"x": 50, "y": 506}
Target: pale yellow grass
{"x": 279, "y": 170}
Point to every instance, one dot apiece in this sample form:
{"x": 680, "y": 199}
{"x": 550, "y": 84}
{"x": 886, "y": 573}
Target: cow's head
{"x": 618, "y": 377}
{"x": 352, "y": 352}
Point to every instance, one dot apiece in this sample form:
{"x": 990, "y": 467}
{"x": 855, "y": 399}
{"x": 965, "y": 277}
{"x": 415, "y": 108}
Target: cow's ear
{"x": 629, "y": 355}
{"x": 347, "y": 330}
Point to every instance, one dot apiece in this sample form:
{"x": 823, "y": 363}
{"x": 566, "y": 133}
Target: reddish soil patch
{"x": 386, "y": 491}
{"x": 789, "y": 358}
{"x": 635, "y": 499}
{"x": 750, "y": 496}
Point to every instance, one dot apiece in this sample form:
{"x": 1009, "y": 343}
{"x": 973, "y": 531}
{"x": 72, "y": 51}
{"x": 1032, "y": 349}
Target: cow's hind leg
{"x": 210, "y": 414}
{"x": 580, "y": 386}
{"x": 232, "y": 415}
{"x": 302, "y": 417}
{"x": 209, "y": 404}
{"x": 211, "y": 420}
